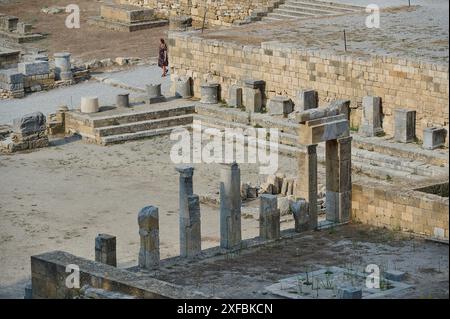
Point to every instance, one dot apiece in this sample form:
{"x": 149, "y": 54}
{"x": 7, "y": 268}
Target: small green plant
{"x": 388, "y": 177}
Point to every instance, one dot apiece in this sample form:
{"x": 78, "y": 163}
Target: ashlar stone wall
{"x": 400, "y": 83}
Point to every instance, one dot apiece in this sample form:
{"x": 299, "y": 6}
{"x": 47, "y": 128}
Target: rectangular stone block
{"x": 315, "y": 114}
{"x": 404, "y": 125}
{"x": 126, "y": 14}
{"x": 269, "y": 217}
{"x": 8, "y": 23}
{"x": 434, "y": 137}
{"x": 280, "y": 105}
{"x": 394, "y": 275}
{"x": 235, "y": 96}
{"x": 11, "y": 76}
{"x": 371, "y": 117}
{"x": 349, "y": 293}
{"x": 252, "y": 100}
{"x": 307, "y": 99}
{"x": 34, "y": 68}
{"x": 342, "y": 105}
{"x": 105, "y": 249}
{"x": 323, "y": 132}
{"x": 24, "y": 28}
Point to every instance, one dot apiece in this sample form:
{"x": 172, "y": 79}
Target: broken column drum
{"x": 89, "y": 105}
{"x": 63, "y": 68}
{"x": 209, "y": 93}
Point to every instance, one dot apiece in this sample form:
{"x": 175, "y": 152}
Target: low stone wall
{"x": 218, "y": 12}
{"x": 9, "y": 58}
{"x": 401, "y": 209}
{"x": 48, "y": 278}
{"x": 400, "y": 83}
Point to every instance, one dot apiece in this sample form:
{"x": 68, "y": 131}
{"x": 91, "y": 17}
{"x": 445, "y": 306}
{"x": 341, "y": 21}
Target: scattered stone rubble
{"x": 28, "y": 132}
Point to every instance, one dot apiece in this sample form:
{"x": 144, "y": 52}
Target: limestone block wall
{"x": 218, "y": 12}
{"x": 400, "y": 209}
{"x": 286, "y": 68}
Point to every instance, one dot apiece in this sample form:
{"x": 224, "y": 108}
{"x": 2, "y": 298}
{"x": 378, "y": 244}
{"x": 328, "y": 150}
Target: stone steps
{"x": 144, "y": 115}
{"x": 135, "y": 127}
{"x": 308, "y": 8}
{"x": 120, "y": 138}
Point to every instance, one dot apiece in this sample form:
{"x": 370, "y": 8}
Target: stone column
{"x": 89, "y": 104}
{"x": 63, "y": 68}
{"x": 189, "y": 217}
{"x": 148, "y": 220}
{"x": 254, "y": 95}
{"x": 404, "y": 125}
{"x": 105, "y": 249}
{"x": 269, "y": 217}
{"x": 338, "y": 179}
{"x": 230, "y": 206}
{"x": 371, "y": 117}
{"x": 307, "y": 181}
{"x": 192, "y": 244}
{"x": 209, "y": 93}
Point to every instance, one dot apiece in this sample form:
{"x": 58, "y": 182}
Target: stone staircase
{"x": 364, "y": 158}
{"x": 297, "y": 9}
{"x": 121, "y": 125}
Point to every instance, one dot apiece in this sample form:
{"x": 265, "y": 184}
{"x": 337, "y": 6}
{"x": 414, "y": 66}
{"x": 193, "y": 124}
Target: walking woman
{"x": 163, "y": 59}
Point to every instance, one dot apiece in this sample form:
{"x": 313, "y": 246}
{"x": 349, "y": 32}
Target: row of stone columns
{"x": 190, "y": 222}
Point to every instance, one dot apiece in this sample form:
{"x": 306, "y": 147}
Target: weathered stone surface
{"x": 209, "y": 93}
{"x": 269, "y": 217}
{"x": 87, "y": 292}
{"x": 326, "y": 129}
{"x": 434, "y": 137}
{"x": 371, "y": 116}
{"x": 8, "y": 23}
{"x": 307, "y": 182}
{"x": 34, "y": 68}
{"x": 28, "y": 291}
{"x": 307, "y": 99}
{"x": 180, "y": 23}
{"x": 314, "y": 114}
{"x": 230, "y": 206}
{"x": 24, "y": 28}
{"x": 301, "y": 212}
{"x": 284, "y": 205}
{"x": 11, "y": 76}
{"x": 342, "y": 105}
{"x": 189, "y": 206}
{"x": 394, "y": 275}
{"x": 148, "y": 220}
{"x": 183, "y": 87}
{"x": 105, "y": 249}
{"x": 123, "y": 100}
{"x": 154, "y": 94}
{"x": 280, "y": 105}
{"x": 89, "y": 104}
{"x": 349, "y": 293}
{"x": 253, "y": 100}
{"x": 235, "y": 96}
{"x": 29, "y": 124}
{"x": 63, "y": 67}
{"x": 405, "y": 125}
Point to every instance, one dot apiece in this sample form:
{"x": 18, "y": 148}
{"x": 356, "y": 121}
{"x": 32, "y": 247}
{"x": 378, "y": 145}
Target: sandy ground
{"x": 88, "y": 42}
{"x": 63, "y": 196}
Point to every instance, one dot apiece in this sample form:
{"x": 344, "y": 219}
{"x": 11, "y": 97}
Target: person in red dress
{"x": 163, "y": 58}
